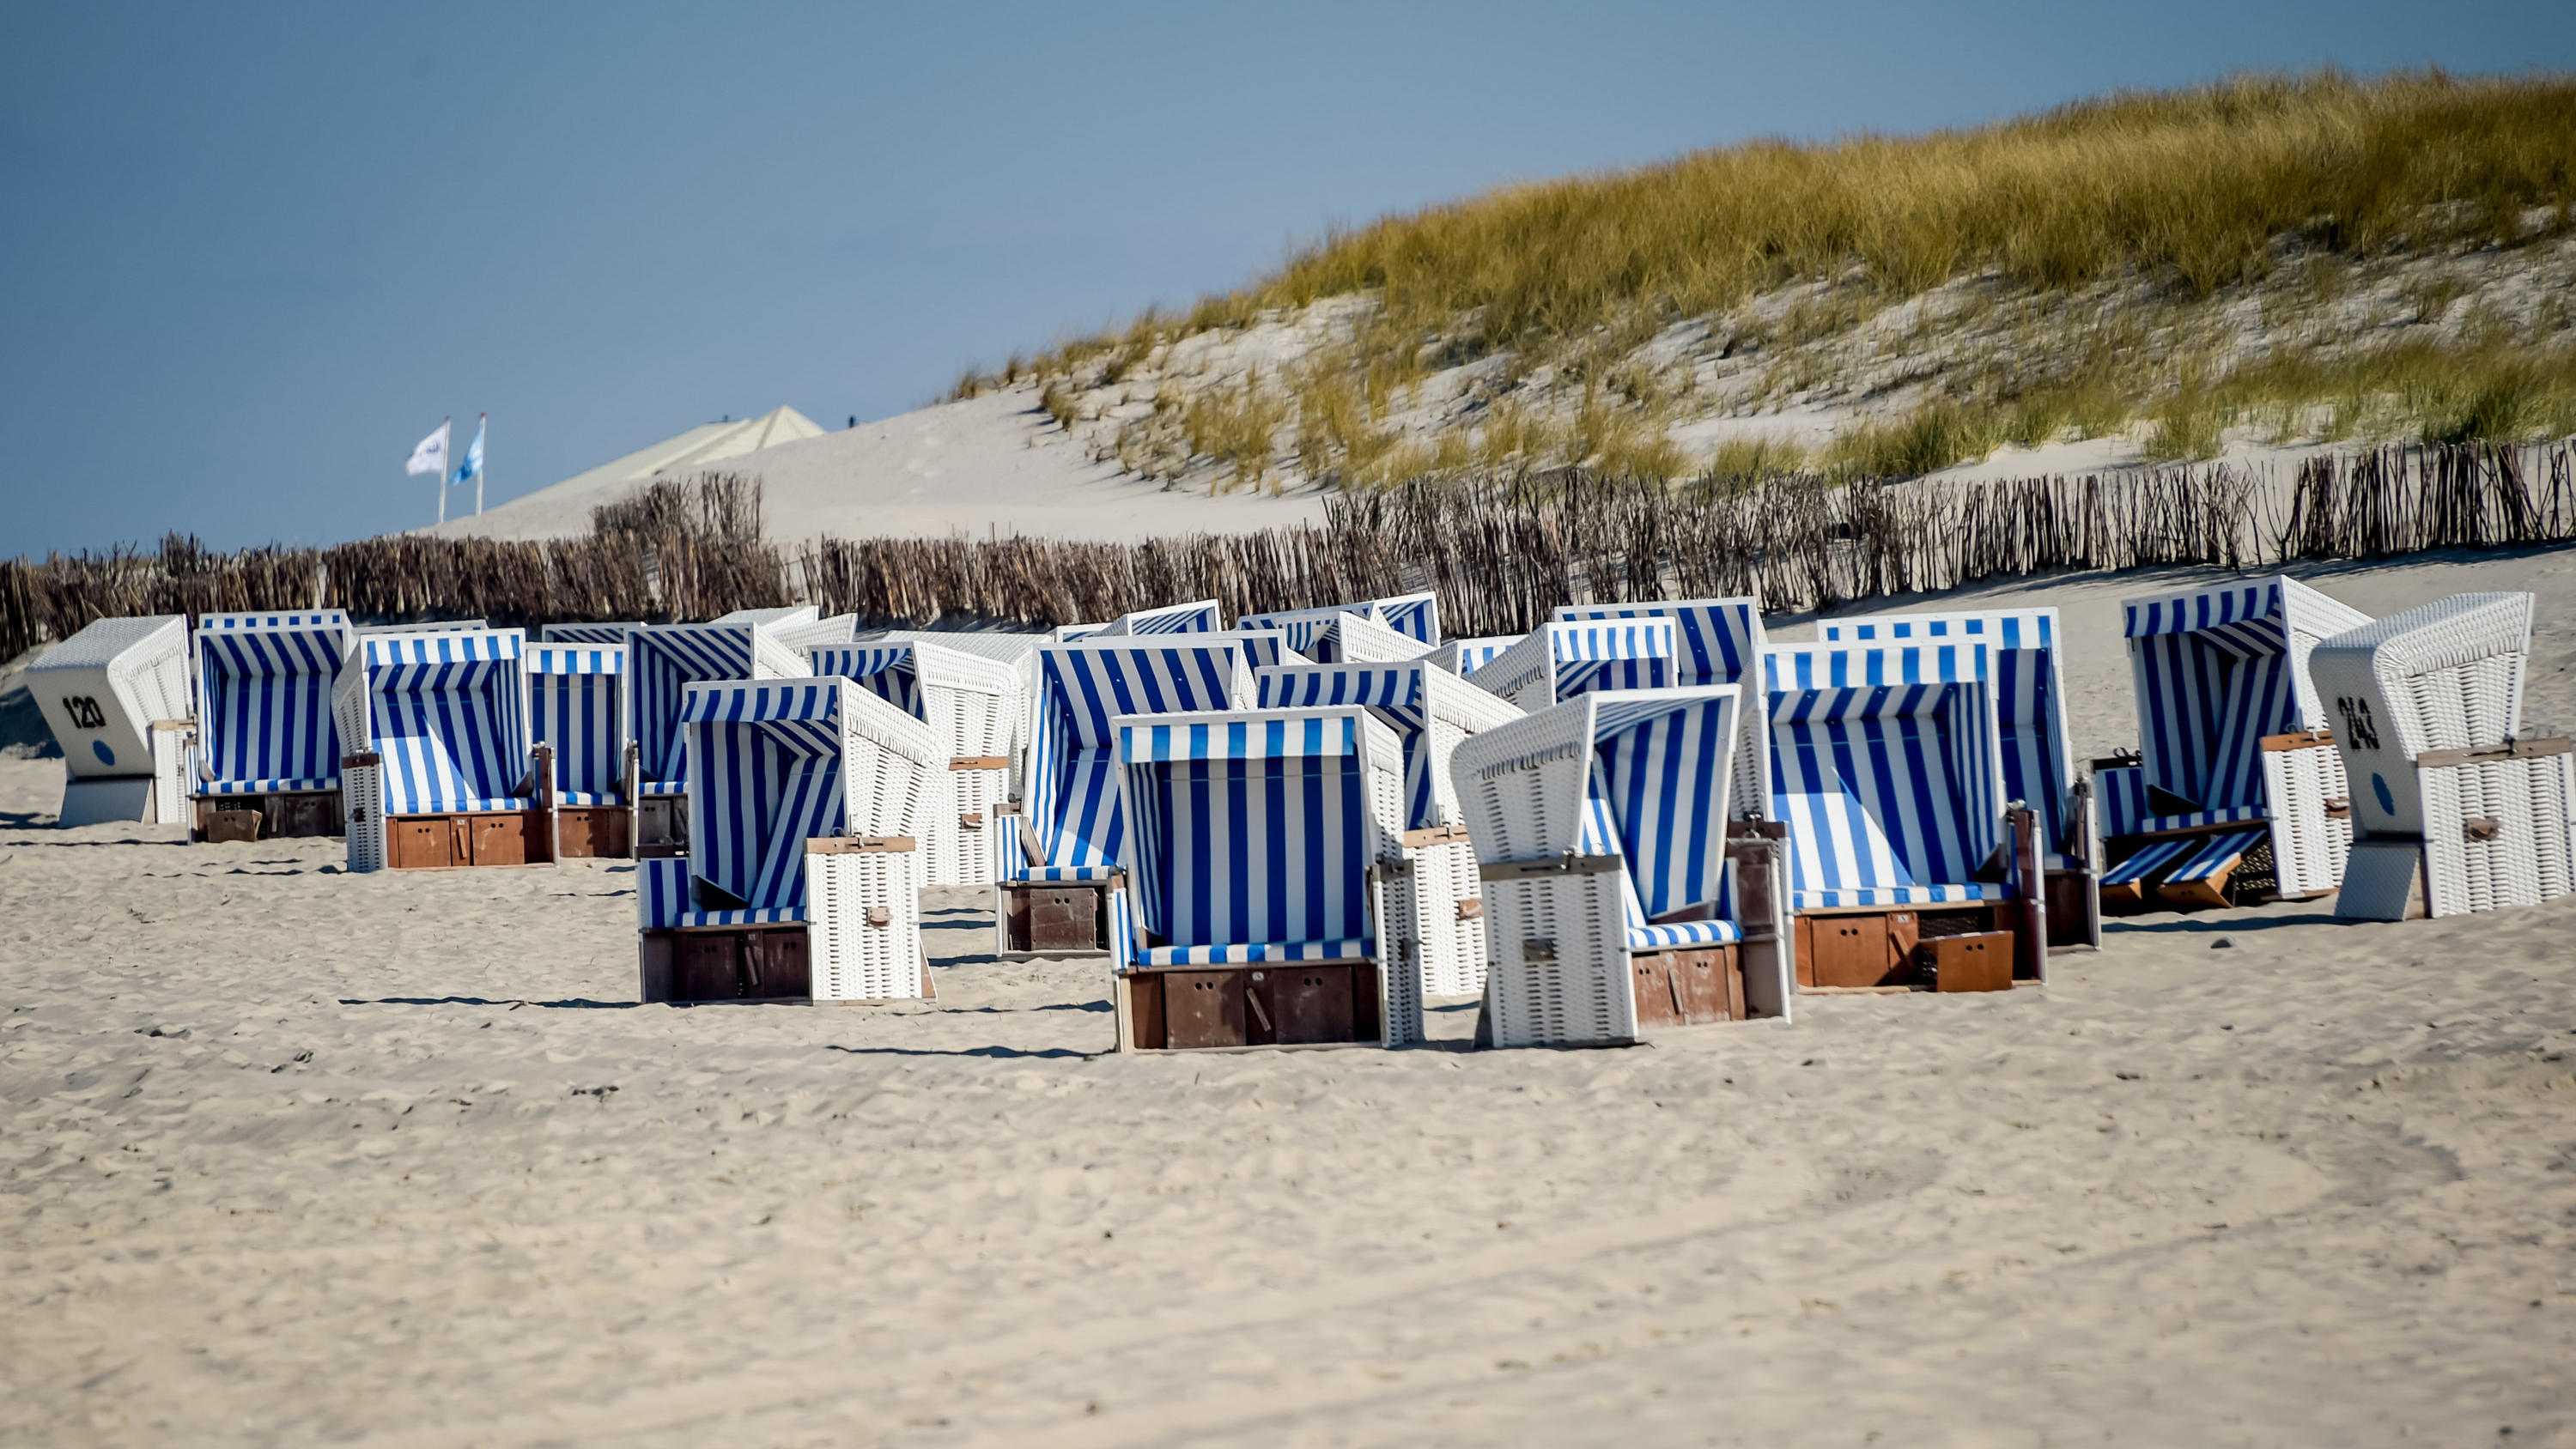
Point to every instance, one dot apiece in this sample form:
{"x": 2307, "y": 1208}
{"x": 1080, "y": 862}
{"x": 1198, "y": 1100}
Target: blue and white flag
{"x": 429, "y": 455}
{"x": 473, "y": 465}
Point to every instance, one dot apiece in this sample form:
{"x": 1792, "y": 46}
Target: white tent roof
{"x": 680, "y": 457}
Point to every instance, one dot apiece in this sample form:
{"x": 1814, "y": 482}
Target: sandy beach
{"x": 297, "y": 1157}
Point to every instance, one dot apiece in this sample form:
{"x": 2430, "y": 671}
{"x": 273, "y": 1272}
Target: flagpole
{"x": 482, "y": 422}
{"x": 444, "y": 443}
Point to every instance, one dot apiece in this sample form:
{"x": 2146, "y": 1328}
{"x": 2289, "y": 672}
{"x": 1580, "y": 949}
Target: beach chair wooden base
{"x": 1050, "y": 918}
{"x": 269, "y": 817}
{"x": 1275, "y": 1004}
{"x": 1858, "y": 949}
{"x": 456, "y": 841}
{"x": 2070, "y": 910}
{"x": 755, "y": 963}
{"x": 1688, "y": 988}
{"x": 1982, "y": 961}
{"x": 594, "y": 832}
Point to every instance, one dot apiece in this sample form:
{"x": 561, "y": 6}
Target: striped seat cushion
{"x": 1065, "y": 872}
{"x": 2217, "y": 855}
{"x": 1682, "y": 933}
{"x": 587, "y": 797}
{"x": 1896, "y": 895}
{"x": 2199, "y": 819}
{"x": 1242, "y": 952}
{"x": 2151, "y": 858}
{"x": 762, "y": 916}
{"x": 264, "y": 787}
{"x": 663, "y": 787}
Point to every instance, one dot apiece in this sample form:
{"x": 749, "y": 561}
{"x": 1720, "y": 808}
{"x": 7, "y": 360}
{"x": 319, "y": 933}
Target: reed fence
{"x": 1501, "y": 551}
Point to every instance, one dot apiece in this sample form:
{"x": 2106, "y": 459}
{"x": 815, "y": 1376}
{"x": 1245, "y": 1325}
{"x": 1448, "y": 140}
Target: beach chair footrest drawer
{"x": 592, "y": 831}
{"x": 1688, "y": 988}
{"x": 1045, "y": 917}
{"x": 1979, "y": 962}
{"x": 447, "y": 842}
{"x": 1296, "y": 1003}
{"x": 759, "y": 963}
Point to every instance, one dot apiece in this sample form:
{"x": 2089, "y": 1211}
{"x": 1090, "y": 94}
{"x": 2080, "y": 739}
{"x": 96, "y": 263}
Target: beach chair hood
{"x": 2447, "y": 676}
{"x": 447, "y": 712}
{"x": 264, "y": 696}
{"x": 578, "y": 704}
{"x": 1073, "y": 808}
{"x": 1429, "y": 710}
{"x": 665, "y": 659}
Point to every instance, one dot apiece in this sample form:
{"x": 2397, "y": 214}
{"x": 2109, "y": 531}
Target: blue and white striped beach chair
{"x": 662, "y": 661}
{"x": 265, "y": 737}
{"x": 2236, "y": 757}
{"x": 970, "y": 703}
{"x": 1072, "y": 828}
{"x": 442, "y": 770}
{"x": 1434, "y": 913}
{"x": 1715, "y": 641}
{"x": 1616, "y": 902}
{"x": 1203, "y": 616}
{"x": 1887, "y": 770}
{"x": 1249, "y": 914}
{"x": 1558, "y": 660}
{"x": 806, "y": 802}
{"x": 2039, "y": 756}
{"x": 2454, "y": 808}
{"x": 579, "y": 708}
{"x": 1415, "y": 616}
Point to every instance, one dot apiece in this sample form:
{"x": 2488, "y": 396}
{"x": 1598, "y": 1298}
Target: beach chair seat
{"x": 1618, "y": 899}
{"x": 443, "y": 770}
{"x": 1887, "y": 771}
{"x": 2232, "y": 733}
{"x": 1258, "y": 842}
{"x": 802, "y": 877}
{"x": 2032, "y": 737}
{"x": 1073, "y": 826}
{"x": 266, "y": 736}
{"x": 2454, "y": 810}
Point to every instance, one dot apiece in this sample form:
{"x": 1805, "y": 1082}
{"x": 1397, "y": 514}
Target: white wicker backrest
{"x": 101, "y": 690}
{"x": 2447, "y": 676}
{"x": 1521, "y": 784}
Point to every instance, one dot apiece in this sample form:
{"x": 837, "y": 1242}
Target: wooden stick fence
{"x": 1501, "y": 551}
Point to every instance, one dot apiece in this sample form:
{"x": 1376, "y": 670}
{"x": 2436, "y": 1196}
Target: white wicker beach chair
{"x": 1887, "y": 772}
{"x": 1715, "y": 641}
{"x": 803, "y": 879}
{"x": 969, "y": 702}
{"x": 441, "y": 769}
{"x": 1415, "y": 616}
{"x": 116, "y": 697}
{"x": 580, "y": 708}
{"x": 1054, "y": 891}
{"x": 2454, "y": 809}
{"x": 1250, "y": 913}
{"x": 428, "y": 626}
{"x": 1434, "y": 919}
{"x": 1617, "y": 903}
{"x": 2238, "y": 792}
{"x": 268, "y": 755}
{"x": 662, "y": 661}
{"x": 1560, "y": 659}
{"x": 2039, "y": 756}
{"x": 784, "y": 617}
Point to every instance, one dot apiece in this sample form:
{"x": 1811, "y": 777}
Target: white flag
{"x": 430, "y": 454}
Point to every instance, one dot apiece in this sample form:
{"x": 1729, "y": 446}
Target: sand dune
{"x": 293, "y": 1156}
{"x": 989, "y": 464}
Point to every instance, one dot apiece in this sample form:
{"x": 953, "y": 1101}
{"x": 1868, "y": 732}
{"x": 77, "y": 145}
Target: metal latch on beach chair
{"x": 1566, "y": 864}
{"x": 1470, "y": 910}
{"x": 972, "y": 820}
{"x": 880, "y": 916}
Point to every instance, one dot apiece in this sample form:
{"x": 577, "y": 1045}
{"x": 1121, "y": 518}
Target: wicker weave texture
{"x": 854, "y": 960}
{"x": 2308, "y": 844}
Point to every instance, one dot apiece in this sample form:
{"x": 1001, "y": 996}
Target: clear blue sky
{"x": 249, "y": 254}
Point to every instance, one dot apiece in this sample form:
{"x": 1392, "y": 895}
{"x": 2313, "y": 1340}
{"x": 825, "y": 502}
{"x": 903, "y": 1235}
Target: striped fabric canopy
{"x": 578, "y": 704}
{"x": 264, "y": 701}
{"x": 1414, "y": 699}
{"x": 2039, "y": 760}
{"x": 1463, "y": 657}
{"x": 887, "y": 671}
{"x": 449, "y": 713}
{"x": 1887, "y": 770}
{"x": 1656, "y": 797}
{"x": 663, "y": 660}
{"x": 1301, "y": 625}
{"x": 770, "y": 759}
{"x": 588, "y": 633}
{"x": 1253, "y": 837}
{"x": 2217, "y": 670}
{"x": 1073, "y": 802}
{"x": 1562, "y": 659}
{"x": 1715, "y": 641}
{"x": 1201, "y": 617}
